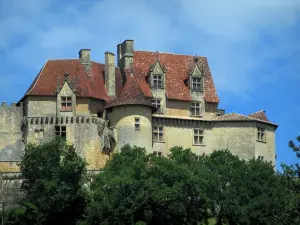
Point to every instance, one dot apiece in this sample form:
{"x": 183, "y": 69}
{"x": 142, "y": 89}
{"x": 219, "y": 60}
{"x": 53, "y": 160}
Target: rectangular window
{"x": 61, "y": 131}
{"x": 198, "y": 137}
{"x": 157, "y": 154}
{"x": 261, "y": 134}
{"x": 66, "y": 103}
{"x": 137, "y": 123}
{"x": 156, "y": 103}
{"x": 195, "y": 109}
{"x": 196, "y": 84}
{"x": 158, "y": 133}
{"x": 157, "y": 81}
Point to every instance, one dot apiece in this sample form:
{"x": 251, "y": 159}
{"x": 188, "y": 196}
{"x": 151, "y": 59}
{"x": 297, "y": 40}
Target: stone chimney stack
{"x": 85, "y": 56}
{"x": 125, "y": 54}
{"x": 110, "y": 70}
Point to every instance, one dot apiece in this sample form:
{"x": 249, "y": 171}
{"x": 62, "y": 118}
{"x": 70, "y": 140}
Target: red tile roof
{"x": 177, "y": 70}
{"x": 131, "y": 94}
{"x": 89, "y": 81}
{"x": 239, "y": 117}
{"x": 260, "y": 115}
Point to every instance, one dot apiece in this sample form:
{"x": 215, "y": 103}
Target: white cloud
{"x": 230, "y": 33}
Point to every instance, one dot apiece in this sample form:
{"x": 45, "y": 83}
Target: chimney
{"x": 125, "y": 54}
{"x": 119, "y": 54}
{"x": 85, "y": 56}
{"x": 110, "y": 70}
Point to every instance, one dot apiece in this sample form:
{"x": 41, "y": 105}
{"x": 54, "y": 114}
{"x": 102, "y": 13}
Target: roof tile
{"x": 177, "y": 70}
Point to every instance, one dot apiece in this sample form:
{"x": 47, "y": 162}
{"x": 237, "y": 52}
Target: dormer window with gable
{"x": 196, "y": 79}
{"x": 157, "y": 75}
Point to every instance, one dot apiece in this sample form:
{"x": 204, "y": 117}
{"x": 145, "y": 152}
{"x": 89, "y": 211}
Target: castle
{"x": 148, "y": 99}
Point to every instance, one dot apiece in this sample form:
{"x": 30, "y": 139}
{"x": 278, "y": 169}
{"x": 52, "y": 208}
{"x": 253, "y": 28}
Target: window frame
{"x": 198, "y": 133}
{"x": 66, "y": 104}
{"x": 157, "y": 102}
{"x": 137, "y": 124}
{"x": 158, "y": 129}
{"x": 196, "y": 81}
{"x": 261, "y": 134}
{"x": 194, "y": 107}
{"x": 156, "y": 80}
{"x": 62, "y": 131}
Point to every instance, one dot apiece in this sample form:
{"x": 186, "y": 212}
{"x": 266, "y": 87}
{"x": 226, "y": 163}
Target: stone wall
{"x": 238, "y": 137}
{"x": 11, "y": 136}
{"x": 85, "y": 133}
{"x": 10, "y": 192}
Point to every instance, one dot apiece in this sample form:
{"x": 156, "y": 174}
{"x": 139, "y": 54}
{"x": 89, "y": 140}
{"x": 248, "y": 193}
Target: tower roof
{"x": 131, "y": 94}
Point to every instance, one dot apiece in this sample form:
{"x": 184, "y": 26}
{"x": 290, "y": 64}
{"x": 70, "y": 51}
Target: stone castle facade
{"x": 148, "y": 99}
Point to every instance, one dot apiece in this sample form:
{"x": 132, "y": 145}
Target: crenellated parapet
{"x": 63, "y": 120}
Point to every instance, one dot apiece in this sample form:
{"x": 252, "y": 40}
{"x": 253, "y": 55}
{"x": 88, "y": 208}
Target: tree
{"x": 247, "y": 192}
{"x": 53, "y": 175}
{"x": 136, "y": 188}
{"x": 296, "y": 149}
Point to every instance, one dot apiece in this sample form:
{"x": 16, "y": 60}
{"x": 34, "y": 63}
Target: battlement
{"x": 64, "y": 120}
{"x": 13, "y": 105}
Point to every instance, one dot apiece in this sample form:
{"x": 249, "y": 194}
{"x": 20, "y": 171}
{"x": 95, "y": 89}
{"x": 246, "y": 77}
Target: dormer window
{"x": 66, "y": 103}
{"x": 196, "y": 84}
{"x": 157, "y": 81}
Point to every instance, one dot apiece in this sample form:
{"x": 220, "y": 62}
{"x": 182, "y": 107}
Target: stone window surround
{"x": 158, "y": 133}
{"x": 261, "y": 134}
{"x": 196, "y": 84}
{"x": 137, "y": 125}
{"x": 157, "y": 103}
{"x": 195, "y": 108}
{"x": 198, "y": 137}
{"x": 66, "y": 103}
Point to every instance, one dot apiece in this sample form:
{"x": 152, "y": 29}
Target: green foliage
{"x": 136, "y": 188}
{"x": 53, "y": 176}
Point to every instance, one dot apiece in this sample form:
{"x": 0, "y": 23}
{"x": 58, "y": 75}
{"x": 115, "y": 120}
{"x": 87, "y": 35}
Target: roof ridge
{"x": 168, "y": 53}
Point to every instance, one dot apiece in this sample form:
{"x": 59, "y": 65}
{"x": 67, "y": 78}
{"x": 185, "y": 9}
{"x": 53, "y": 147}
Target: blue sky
{"x": 253, "y": 47}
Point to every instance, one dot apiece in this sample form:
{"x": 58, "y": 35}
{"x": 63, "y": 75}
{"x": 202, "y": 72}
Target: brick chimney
{"x": 85, "y": 56}
{"x": 110, "y": 70}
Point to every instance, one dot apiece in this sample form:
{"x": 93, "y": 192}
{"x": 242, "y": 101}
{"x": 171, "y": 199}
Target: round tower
{"x": 130, "y": 116}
